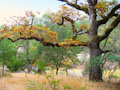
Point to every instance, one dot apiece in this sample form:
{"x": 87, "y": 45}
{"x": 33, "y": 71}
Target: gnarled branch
{"x": 53, "y": 44}
{"x": 72, "y": 23}
{"x": 75, "y": 31}
{"x": 110, "y": 28}
{"x": 110, "y": 15}
{"x": 75, "y": 5}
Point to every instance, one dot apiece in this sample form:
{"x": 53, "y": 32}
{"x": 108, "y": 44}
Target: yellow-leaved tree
{"x": 98, "y": 12}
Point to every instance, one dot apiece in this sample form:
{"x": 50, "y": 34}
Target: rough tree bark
{"x": 95, "y": 72}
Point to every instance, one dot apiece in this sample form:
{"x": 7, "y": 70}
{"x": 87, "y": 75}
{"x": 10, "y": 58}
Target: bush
{"x": 16, "y": 65}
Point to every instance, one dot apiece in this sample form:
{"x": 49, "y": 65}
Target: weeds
{"x": 32, "y": 85}
{"x": 53, "y": 85}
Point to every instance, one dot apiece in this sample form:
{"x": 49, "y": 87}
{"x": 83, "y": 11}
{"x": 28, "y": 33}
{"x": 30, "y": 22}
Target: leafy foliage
{"x": 16, "y": 64}
{"x": 7, "y": 51}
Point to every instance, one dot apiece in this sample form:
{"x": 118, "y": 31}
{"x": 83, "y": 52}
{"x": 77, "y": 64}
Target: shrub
{"x": 16, "y": 65}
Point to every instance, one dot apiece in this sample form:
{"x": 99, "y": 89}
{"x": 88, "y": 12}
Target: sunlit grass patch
{"x": 115, "y": 74}
{"x": 19, "y": 81}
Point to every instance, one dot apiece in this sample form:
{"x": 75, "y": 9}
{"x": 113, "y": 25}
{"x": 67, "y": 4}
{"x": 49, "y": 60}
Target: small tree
{"x": 7, "y": 52}
{"x": 56, "y": 57}
{"x": 16, "y": 64}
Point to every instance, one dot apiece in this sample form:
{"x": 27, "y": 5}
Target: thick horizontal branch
{"x": 41, "y": 40}
{"x": 110, "y": 28}
{"x": 53, "y": 44}
{"x": 110, "y": 15}
{"x": 85, "y": 9}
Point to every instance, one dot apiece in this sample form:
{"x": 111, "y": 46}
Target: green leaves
{"x": 8, "y": 50}
{"x": 16, "y": 64}
{"x": 112, "y": 57}
{"x": 42, "y": 65}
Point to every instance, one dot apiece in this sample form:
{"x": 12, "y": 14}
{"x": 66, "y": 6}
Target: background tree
{"x": 57, "y": 56}
{"x": 16, "y": 64}
{"x": 7, "y": 52}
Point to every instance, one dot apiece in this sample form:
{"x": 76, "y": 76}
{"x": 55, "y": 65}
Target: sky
{"x": 10, "y": 8}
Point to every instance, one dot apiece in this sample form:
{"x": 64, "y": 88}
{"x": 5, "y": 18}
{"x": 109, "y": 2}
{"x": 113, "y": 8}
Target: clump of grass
{"x": 54, "y": 84}
{"x": 8, "y": 74}
{"x": 33, "y": 85}
{"x": 18, "y": 81}
{"x": 112, "y": 75}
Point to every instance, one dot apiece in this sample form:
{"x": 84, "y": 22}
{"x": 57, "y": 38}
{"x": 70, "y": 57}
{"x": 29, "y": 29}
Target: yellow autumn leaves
{"x": 70, "y": 42}
{"x": 21, "y": 31}
{"x": 36, "y": 31}
{"x": 66, "y": 12}
{"x": 103, "y": 6}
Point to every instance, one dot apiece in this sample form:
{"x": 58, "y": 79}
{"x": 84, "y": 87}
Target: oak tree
{"x": 99, "y": 13}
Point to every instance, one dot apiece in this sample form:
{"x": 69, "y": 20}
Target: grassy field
{"x": 19, "y": 81}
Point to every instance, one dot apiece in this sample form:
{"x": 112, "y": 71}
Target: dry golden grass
{"x": 18, "y": 81}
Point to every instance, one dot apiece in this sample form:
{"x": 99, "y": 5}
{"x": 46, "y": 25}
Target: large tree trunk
{"x": 95, "y": 72}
